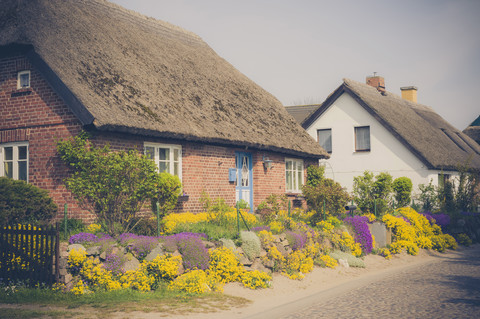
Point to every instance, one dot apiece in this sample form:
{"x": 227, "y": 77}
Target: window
{"x": 23, "y": 80}
{"x": 294, "y": 175}
{"x": 362, "y": 139}
{"x": 14, "y": 160}
{"x": 325, "y": 139}
{"x": 167, "y": 157}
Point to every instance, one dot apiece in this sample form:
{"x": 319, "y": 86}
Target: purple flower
{"x": 82, "y": 238}
{"x": 260, "y": 228}
{"x": 113, "y": 263}
{"x": 362, "y": 232}
{"x": 296, "y": 240}
{"x": 192, "y": 248}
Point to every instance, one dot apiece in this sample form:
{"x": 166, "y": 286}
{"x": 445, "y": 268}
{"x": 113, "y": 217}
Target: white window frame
{"x": 331, "y": 142}
{"x": 171, "y": 162}
{"x": 357, "y": 148}
{"x": 19, "y": 76}
{"x": 297, "y": 172}
{"x": 15, "y": 159}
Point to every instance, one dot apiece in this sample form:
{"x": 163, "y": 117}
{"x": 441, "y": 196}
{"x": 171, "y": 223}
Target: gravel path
{"x": 447, "y": 287}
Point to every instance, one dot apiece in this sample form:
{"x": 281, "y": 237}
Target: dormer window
{"x": 23, "y": 79}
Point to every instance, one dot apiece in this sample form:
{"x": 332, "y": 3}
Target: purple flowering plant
{"x": 362, "y": 232}
{"x": 296, "y": 240}
{"x": 441, "y": 220}
{"x": 192, "y": 248}
{"x": 139, "y": 246}
{"x": 113, "y": 263}
{"x": 83, "y": 238}
{"x": 260, "y": 228}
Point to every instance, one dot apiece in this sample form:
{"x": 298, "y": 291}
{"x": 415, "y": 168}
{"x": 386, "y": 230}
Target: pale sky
{"x": 300, "y": 50}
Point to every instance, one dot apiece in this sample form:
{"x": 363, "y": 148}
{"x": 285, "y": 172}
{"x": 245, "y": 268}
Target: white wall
{"x": 386, "y": 154}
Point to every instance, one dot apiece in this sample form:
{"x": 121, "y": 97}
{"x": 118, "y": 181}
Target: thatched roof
{"x": 301, "y": 112}
{"x": 126, "y": 72}
{"x": 473, "y": 130}
{"x": 426, "y": 134}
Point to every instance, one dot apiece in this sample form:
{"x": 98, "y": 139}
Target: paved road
{"x": 448, "y": 287}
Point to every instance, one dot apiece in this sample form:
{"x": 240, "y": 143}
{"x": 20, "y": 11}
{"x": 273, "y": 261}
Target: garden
{"x": 125, "y": 255}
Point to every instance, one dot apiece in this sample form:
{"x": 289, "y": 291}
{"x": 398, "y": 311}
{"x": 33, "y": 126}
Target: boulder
{"x": 76, "y": 247}
{"x": 343, "y": 263}
{"x": 159, "y": 250}
{"x": 93, "y": 251}
{"x": 132, "y": 263}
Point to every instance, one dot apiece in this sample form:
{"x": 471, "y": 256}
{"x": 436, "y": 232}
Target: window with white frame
{"x": 23, "y": 79}
{"x": 325, "y": 139}
{"x": 294, "y": 175}
{"x": 14, "y": 160}
{"x": 362, "y": 139}
{"x": 168, "y": 158}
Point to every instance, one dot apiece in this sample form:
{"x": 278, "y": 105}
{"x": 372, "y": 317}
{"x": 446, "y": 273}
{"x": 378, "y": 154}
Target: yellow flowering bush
{"x": 98, "y": 277}
{"x": 171, "y": 221}
{"x": 424, "y": 242}
{"x": 296, "y": 263}
{"x": 346, "y": 243}
{"x": 79, "y": 288}
{"x": 371, "y": 217}
{"x": 194, "y": 282}
{"x": 328, "y": 261}
{"x": 93, "y": 228}
{"x": 276, "y": 227}
{"x": 224, "y": 265}
{"x": 164, "y": 267}
{"x": 398, "y": 246}
{"x": 256, "y": 279}
{"x": 76, "y": 259}
{"x": 137, "y": 279}
{"x": 325, "y": 226}
{"x": 385, "y": 252}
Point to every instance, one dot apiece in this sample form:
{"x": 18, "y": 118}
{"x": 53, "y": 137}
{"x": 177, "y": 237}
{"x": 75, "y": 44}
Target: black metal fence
{"x": 29, "y": 254}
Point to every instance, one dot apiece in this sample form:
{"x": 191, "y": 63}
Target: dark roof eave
{"x": 212, "y": 141}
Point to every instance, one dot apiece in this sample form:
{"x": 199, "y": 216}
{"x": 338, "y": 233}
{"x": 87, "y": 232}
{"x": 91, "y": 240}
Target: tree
{"x": 403, "y": 190}
{"x": 468, "y": 191}
{"x": 113, "y": 185}
{"x": 369, "y": 193}
{"x": 428, "y": 196}
{"x": 169, "y": 189}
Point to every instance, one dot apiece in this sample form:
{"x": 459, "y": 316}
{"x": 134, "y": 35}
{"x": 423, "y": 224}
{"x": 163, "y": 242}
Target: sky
{"x": 300, "y": 51}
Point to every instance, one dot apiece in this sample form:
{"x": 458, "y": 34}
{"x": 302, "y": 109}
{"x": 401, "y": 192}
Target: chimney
{"x": 377, "y": 82}
{"x": 409, "y": 93}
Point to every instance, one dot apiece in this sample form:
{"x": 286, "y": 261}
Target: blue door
{"x": 244, "y": 185}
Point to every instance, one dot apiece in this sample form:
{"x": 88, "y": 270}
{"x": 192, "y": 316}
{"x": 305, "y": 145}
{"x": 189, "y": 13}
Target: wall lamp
{"x": 267, "y": 163}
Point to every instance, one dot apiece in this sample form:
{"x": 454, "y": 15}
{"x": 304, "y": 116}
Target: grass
{"x": 40, "y": 303}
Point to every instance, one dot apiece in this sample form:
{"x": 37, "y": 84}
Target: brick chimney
{"x": 409, "y": 93}
{"x": 377, "y": 82}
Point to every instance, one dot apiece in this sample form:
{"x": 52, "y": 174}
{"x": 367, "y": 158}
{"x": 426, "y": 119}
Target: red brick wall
{"x": 39, "y": 116}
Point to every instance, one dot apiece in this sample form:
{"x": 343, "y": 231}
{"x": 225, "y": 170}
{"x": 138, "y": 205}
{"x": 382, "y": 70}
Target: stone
{"x": 257, "y": 265}
{"x": 93, "y": 251}
{"x": 131, "y": 264}
{"x": 263, "y": 253}
{"x": 268, "y": 263}
{"x": 208, "y": 244}
{"x": 281, "y": 249}
{"x": 103, "y": 255}
{"x": 159, "y": 250}
{"x": 244, "y": 260}
{"x": 67, "y": 278}
{"x": 76, "y": 247}
{"x": 343, "y": 263}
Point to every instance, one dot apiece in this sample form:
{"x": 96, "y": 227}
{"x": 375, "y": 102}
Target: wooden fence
{"x": 29, "y": 254}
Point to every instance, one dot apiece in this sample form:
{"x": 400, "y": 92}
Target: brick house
{"x": 139, "y": 83}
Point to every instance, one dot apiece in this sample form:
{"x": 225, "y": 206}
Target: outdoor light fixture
{"x": 267, "y": 163}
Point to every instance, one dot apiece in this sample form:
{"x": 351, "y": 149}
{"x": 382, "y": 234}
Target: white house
{"x": 364, "y": 127}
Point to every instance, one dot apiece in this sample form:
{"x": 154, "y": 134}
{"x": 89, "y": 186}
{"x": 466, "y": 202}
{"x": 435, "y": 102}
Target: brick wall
{"x": 39, "y": 116}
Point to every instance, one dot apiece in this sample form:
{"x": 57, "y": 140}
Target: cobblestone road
{"x": 449, "y": 287}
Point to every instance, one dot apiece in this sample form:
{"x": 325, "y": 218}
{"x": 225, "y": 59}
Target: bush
{"x": 194, "y": 253}
{"x": 169, "y": 189}
{"x": 329, "y": 192}
{"x": 315, "y": 174}
{"x": 369, "y": 194}
{"x": 402, "y": 187}
{"x": 22, "y": 203}
{"x": 113, "y": 185}
{"x": 428, "y": 196}
{"x": 271, "y": 206}
{"x": 351, "y": 260}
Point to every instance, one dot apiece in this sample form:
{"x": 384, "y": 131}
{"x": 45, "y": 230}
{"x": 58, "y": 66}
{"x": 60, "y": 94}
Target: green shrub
{"x": 329, "y": 192}
{"x": 169, "y": 189}
{"x": 402, "y": 187}
{"x": 270, "y": 207}
{"x": 428, "y": 196}
{"x": 250, "y": 244}
{"x": 315, "y": 174}
{"x": 24, "y": 203}
{"x": 369, "y": 193}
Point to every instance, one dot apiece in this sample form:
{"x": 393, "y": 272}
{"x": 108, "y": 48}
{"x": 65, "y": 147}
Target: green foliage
{"x": 271, "y": 206}
{"x": 113, "y": 185}
{"x": 467, "y": 196}
{"x": 24, "y": 203}
{"x": 169, "y": 189}
{"x": 366, "y": 191}
{"x": 217, "y": 205}
{"x": 428, "y": 196}
{"x": 446, "y": 197}
{"x": 315, "y": 174}
{"x": 402, "y": 187}
{"x": 329, "y": 192}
